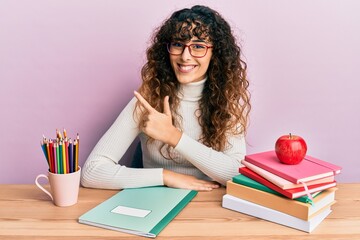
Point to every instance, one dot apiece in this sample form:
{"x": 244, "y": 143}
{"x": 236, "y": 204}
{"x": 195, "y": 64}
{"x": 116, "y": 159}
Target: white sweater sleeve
{"x": 102, "y": 170}
{"x": 220, "y": 166}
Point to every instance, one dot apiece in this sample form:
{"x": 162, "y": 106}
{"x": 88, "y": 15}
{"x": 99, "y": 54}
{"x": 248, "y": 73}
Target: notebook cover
{"x": 161, "y": 204}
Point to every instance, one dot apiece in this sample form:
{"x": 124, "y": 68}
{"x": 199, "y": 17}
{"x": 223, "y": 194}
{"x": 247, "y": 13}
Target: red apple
{"x": 290, "y": 149}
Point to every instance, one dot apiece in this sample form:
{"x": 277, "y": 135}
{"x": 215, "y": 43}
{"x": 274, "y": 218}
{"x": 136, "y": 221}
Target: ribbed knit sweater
{"x": 102, "y": 169}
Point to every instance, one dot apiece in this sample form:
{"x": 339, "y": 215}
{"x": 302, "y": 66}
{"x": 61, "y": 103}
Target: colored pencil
{"x": 43, "y": 146}
{"x": 48, "y": 154}
{"x": 66, "y": 145}
{"x": 61, "y": 154}
{"x": 58, "y": 134}
{"x": 65, "y": 135}
{"x": 55, "y": 159}
{"x": 76, "y": 153}
{"x": 51, "y": 159}
{"x": 58, "y": 159}
{"x": 71, "y": 157}
{"x": 61, "y": 158}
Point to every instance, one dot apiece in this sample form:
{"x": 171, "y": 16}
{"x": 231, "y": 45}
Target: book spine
{"x": 280, "y": 182}
{"x": 171, "y": 215}
{"x": 285, "y": 205}
{"x": 268, "y": 214}
{"x": 264, "y": 188}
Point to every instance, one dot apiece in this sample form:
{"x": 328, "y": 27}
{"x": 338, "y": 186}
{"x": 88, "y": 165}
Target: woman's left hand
{"x": 178, "y": 180}
{"x": 159, "y": 125}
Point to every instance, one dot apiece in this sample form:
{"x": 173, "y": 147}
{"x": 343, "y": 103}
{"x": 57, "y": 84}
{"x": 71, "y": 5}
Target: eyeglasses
{"x": 196, "y": 50}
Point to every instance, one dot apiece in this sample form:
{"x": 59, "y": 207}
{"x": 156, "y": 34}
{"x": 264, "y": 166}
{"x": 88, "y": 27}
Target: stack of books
{"x": 298, "y": 196}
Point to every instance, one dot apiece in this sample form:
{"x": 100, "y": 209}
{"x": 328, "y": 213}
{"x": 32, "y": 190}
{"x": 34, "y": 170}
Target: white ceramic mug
{"x": 64, "y": 187}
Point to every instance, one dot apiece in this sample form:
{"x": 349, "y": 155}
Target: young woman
{"x": 190, "y": 113}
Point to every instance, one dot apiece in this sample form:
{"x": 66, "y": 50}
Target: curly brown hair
{"x": 225, "y": 101}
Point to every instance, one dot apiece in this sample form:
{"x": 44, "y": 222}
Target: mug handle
{"x": 41, "y": 187}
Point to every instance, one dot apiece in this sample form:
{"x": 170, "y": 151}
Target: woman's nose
{"x": 186, "y": 53}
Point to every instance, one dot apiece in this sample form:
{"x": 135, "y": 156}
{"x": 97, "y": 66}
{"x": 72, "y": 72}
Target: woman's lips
{"x": 186, "y": 68}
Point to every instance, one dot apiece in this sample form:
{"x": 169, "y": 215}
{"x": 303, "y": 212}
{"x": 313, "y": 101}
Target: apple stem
{"x": 290, "y": 135}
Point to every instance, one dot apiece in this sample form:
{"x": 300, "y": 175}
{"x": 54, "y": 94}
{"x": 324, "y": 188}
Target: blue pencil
{"x": 71, "y": 158}
{"x": 43, "y": 146}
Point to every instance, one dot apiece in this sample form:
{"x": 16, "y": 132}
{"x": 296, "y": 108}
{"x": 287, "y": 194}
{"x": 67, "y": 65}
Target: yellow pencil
{"x": 62, "y": 145}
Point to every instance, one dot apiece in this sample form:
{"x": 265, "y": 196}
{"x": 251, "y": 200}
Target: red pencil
{"x": 51, "y": 158}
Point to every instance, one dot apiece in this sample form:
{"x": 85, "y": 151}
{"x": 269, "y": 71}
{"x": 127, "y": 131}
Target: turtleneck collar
{"x": 192, "y": 91}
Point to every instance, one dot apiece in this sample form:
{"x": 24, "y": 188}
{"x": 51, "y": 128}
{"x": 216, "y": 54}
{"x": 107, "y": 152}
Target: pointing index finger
{"x": 142, "y": 100}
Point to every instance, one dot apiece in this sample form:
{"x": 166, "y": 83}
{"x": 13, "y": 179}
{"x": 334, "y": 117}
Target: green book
{"x": 242, "y": 179}
{"x": 140, "y": 211}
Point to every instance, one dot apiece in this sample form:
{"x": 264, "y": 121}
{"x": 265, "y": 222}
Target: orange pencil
{"x": 65, "y": 135}
{"x": 48, "y": 155}
{"x": 58, "y": 134}
{"x": 76, "y": 154}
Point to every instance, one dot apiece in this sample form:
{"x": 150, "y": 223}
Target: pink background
{"x": 75, "y": 64}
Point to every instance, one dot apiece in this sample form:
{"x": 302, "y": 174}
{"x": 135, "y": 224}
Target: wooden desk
{"x": 27, "y": 213}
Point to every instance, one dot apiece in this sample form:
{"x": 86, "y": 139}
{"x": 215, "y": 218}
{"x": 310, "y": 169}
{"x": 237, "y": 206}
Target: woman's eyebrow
{"x": 194, "y": 41}
{"x": 198, "y": 40}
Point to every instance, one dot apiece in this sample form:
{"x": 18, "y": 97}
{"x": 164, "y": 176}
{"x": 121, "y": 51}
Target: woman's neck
{"x": 192, "y": 91}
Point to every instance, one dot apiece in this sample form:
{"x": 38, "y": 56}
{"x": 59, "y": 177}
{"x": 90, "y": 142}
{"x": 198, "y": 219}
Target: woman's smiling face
{"x": 190, "y": 69}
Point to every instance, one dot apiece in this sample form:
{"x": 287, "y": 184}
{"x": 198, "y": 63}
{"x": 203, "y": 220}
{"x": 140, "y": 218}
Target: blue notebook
{"x": 139, "y": 211}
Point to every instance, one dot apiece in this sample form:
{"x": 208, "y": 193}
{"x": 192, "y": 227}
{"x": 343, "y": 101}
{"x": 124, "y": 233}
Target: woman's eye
{"x": 177, "y": 44}
{"x": 198, "y": 46}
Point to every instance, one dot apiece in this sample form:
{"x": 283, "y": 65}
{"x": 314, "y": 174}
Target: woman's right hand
{"x": 159, "y": 125}
{"x": 178, "y": 180}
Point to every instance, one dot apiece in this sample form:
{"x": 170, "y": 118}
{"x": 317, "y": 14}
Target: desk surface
{"x": 27, "y": 213}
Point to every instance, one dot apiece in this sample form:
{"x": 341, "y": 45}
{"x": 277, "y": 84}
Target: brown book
{"x": 291, "y": 207}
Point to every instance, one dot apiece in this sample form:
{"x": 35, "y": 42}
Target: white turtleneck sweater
{"x": 102, "y": 169}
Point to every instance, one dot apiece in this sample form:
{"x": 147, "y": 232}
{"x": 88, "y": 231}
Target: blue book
{"x": 140, "y": 211}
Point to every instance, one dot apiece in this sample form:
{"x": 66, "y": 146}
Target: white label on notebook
{"x": 135, "y": 212}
